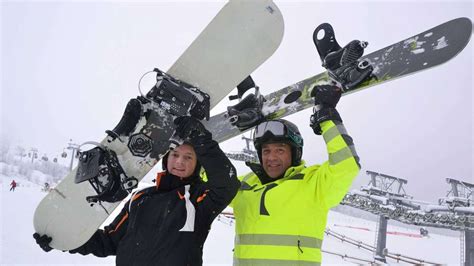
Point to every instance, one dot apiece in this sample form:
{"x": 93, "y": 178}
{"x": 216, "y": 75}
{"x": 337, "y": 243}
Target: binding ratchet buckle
{"x": 100, "y": 166}
{"x": 178, "y": 97}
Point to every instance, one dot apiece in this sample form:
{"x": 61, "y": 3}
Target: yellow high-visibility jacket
{"x": 282, "y": 222}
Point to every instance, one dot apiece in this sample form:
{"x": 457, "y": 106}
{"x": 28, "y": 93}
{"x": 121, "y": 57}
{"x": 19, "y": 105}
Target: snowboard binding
{"x": 129, "y": 120}
{"x": 343, "y": 63}
{"x": 172, "y": 95}
{"x": 178, "y": 97}
{"x": 248, "y": 112}
{"x": 100, "y": 166}
{"x": 139, "y": 144}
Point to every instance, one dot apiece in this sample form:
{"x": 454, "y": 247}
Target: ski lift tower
{"x": 248, "y": 154}
{"x": 384, "y": 186}
{"x": 74, "y": 147}
{"x": 385, "y": 196}
{"x": 461, "y": 195}
{"x": 34, "y": 154}
{"x": 248, "y": 148}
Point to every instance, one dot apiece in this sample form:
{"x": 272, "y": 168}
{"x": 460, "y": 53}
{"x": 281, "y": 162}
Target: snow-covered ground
{"x": 17, "y": 246}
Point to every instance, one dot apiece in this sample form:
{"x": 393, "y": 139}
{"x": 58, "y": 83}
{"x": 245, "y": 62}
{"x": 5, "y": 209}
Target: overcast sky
{"x": 69, "y": 68}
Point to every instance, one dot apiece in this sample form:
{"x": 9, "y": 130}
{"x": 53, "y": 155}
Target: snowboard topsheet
{"x": 239, "y": 39}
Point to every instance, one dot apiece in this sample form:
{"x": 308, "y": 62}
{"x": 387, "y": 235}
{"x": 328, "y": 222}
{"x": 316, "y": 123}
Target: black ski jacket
{"x": 167, "y": 224}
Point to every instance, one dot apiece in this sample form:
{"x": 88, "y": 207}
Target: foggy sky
{"x": 69, "y": 68}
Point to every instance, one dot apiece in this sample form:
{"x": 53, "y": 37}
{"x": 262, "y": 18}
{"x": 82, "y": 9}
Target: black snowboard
{"x": 419, "y": 52}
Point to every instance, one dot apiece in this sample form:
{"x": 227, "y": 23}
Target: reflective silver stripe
{"x": 347, "y": 139}
{"x": 266, "y": 262}
{"x": 278, "y": 240}
{"x": 334, "y": 132}
{"x": 342, "y": 154}
{"x": 247, "y": 176}
{"x": 244, "y": 185}
{"x": 354, "y": 152}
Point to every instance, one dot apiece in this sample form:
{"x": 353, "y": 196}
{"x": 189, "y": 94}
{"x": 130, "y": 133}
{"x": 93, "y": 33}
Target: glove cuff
{"x": 323, "y": 114}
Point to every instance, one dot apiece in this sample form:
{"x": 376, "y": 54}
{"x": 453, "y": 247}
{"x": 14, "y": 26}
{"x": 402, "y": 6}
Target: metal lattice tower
{"x": 248, "y": 154}
{"x": 460, "y": 195}
{"x": 381, "y": 239}
{"x": 383, "y": 184}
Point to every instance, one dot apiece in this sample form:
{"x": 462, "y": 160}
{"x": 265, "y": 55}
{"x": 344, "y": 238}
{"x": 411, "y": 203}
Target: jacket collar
{"x": 167, "y": 182}
{"x": 264, "y": 178}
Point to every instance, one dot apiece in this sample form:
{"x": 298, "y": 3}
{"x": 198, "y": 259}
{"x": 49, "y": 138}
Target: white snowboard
{"x": 239, "y": 39}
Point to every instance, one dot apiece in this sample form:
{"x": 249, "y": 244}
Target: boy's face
{"x": 182, "y": 161}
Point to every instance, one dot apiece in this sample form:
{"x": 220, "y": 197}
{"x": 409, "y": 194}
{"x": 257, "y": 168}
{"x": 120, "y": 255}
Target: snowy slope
{"x": 18, "y": 247}
{"x": 400, "y": 240}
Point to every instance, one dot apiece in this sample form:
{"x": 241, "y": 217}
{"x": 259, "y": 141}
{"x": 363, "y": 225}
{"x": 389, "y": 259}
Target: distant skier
{"x": 46, "y": 187}
{"x": 13, "y": 185}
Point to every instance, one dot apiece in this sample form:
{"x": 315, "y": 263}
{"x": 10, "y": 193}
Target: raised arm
{"x": 336, "y": 175}
{"x": 222, "y": 183}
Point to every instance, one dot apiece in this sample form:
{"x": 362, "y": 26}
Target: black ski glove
{"x": 81, "y": 250}
{"x": 43, "y": 241}
{"x": 326, "y": 98}
{"x": 191, "y": 129}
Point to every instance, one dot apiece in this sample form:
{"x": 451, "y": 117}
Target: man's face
{"x": 276, "y": 158}
{"x": 182, "y": 161}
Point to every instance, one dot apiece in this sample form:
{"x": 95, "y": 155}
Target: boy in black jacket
{"x": 168, "y": 224}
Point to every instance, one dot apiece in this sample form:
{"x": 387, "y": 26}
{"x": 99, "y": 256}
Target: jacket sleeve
{"x": 222, "y": 183}
{"x": 335, "y": 176}
{"x": 104, "y": 242}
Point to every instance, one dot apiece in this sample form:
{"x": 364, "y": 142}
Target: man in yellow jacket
{"x": 281, "y": 207}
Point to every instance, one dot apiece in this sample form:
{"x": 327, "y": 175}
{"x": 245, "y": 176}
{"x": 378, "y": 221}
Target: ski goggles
{"x": 275, "y": 130}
